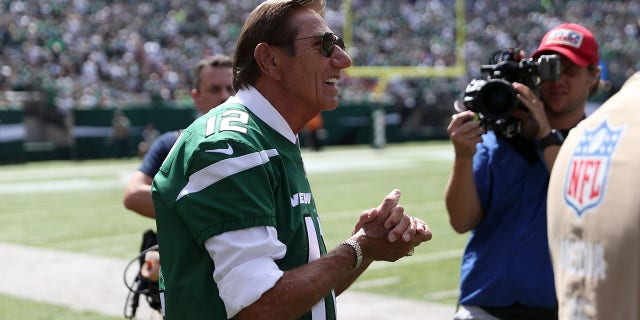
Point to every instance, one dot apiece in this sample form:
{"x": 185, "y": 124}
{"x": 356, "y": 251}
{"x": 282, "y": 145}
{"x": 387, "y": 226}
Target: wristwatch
{"x": 554, "y": 137}
{"x": 357, "y": 251}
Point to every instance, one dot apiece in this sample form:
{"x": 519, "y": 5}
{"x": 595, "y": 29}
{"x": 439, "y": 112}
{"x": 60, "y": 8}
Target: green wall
{"x": 348, "y": 124}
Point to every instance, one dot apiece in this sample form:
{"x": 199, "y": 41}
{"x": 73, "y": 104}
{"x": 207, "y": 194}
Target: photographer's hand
{"x": 536, "y": 114}
{"x": 465, "y": 133}
{"x": 461, "y": 195}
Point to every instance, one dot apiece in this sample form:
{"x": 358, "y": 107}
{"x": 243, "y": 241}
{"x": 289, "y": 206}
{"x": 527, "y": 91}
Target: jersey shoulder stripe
{"x": 224, "y": 168}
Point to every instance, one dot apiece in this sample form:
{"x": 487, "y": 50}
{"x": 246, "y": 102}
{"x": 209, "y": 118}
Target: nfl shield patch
{"x": 586, "y": 179}
{"x": 566, "y": 37}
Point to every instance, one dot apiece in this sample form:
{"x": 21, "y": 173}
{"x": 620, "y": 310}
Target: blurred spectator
{"x": 117, "y": 53}
{"x": 120, "y": 133}
{"x": 149, "y": 135}
{"x": 314, "y": 133}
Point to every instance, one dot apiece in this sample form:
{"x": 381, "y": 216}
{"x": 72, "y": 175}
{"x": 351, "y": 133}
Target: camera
{"x": 493, "y": 98}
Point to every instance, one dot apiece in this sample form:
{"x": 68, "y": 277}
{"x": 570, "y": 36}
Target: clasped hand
{"x": 387, "y": 233}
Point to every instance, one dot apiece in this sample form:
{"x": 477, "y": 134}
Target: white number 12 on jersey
{"x": 230, "y": 121}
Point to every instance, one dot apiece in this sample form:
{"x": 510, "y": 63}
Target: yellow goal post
{"x": 385, "y": 73}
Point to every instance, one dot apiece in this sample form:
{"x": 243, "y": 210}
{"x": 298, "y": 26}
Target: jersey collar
{"x": 258, "y": 104}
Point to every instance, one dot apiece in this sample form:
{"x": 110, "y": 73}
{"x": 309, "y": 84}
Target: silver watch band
{"x": 356, "y": 249}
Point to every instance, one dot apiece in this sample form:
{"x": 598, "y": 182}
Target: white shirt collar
{"x": 261, "y": 107}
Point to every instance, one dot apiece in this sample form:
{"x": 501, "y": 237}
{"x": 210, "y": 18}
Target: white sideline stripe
{"x": 381, "y": 282}
{"x": 79, "y": 281}
{"x": 59, "y": 186}
{"x": 59, "y": 178}
{"x": 442, "y": 294}
{"x": 442, "y": 255}
{"x": 390, "y": 281}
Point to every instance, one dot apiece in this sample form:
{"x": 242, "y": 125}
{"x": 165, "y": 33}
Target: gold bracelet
{"x": 356, "y": 249}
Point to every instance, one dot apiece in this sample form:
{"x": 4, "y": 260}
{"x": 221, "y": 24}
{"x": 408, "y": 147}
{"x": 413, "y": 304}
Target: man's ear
{"x": 598, "y": 72}
{"x": 267, "y": 60}
{"x": 596, "y": 78}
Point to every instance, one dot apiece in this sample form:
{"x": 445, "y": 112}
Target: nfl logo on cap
{"x": 566, "y": 37}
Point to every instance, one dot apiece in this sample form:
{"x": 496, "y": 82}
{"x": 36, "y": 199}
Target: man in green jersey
{"x": 238, "y": 229}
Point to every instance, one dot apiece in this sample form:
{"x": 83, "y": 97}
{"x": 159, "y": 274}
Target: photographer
{"x": 498, "y": 186}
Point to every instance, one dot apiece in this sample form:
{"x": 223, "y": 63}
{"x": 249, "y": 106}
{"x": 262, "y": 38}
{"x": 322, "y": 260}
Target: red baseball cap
{"x": 572, "y": 41}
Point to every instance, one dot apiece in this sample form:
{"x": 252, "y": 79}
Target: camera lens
{"x": 497, "y": 99}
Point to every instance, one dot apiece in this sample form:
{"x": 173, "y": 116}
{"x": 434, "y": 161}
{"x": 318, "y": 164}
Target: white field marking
{"x": 374, "y": 159}
{"x": 59, "y": 186}
{"x": 381, "y": 282}
{"x": 79, "y": 281}
{"x": 315, "y": 167}
{"x": 68, "y": 170}
{"x": 426, "y": 152}
{"x": 421, "y": 258}
{"x": 390, "y": 281}
{"x": 442, "y": 294}
{"x": 114, "y": 176}
{"x": 332, "y": 160}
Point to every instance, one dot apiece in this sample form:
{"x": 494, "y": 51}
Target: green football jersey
{"x": 230, "y": 170}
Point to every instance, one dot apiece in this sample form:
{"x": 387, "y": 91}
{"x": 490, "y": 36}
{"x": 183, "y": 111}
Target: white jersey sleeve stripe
{"x": 245, "y": 265}
{"x": 319, "y": 309}
{"x": 213, "y": 173}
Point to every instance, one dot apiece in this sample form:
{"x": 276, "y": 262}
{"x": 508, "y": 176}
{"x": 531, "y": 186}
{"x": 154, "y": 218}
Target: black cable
{"x": 134, "y": 302}
{"x": 137, "y": 281}
{"x": 129, "y": 265}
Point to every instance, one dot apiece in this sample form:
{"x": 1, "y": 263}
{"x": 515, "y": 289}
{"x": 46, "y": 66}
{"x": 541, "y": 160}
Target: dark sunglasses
{"x": 329, "y": 41}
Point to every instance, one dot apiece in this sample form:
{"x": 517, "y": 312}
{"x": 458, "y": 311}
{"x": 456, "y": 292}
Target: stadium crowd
{"x": 104, "y": 53}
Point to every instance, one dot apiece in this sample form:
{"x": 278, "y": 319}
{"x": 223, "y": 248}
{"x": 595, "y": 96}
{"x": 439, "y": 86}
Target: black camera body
{"x": 494, "y": 99}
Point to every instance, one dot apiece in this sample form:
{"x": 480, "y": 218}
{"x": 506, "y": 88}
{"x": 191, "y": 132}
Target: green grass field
{"x": 77, "y": 207}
